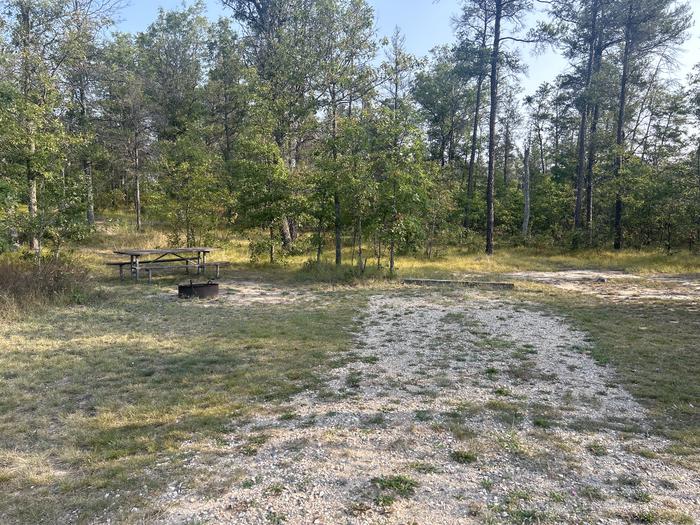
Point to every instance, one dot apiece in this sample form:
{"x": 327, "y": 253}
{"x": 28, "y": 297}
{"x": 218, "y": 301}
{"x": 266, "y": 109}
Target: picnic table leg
{"x": 150, "y": 275}
{"x": 137, "y": 269}
{"x": 217, "y": 271}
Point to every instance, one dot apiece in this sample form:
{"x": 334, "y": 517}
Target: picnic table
{"x": 149, "y": 260}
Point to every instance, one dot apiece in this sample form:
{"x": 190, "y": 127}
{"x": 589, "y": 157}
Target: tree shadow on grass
{"x": 113, "y": 391}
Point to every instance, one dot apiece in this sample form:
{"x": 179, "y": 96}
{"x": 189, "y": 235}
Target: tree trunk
{"x": 392, "y": 249}
{"x": 378, "y": 248}
{"x": 336, "y": 194}
{"x": 359, "y": 244}
{"x": 490, "y": 216}
{"x": 354, "y": 246}
{"x": 286, "y": 233}
{"x": 89, "y": 192}
{"x": 697, "y": 218}
{"x": 506, "y": 155}
{"x": 592, "y": 146}
{"x": 583, "y": 125}
{"x": 338, "y": 231}
{"x": 293, "y": 229}
{"x": 540, "y": 140}
{"x": 474, "y": 141}
{"x": 590, "y": 165}
{"x": 620, "y": 131}
{"x": 137, "y": 189}
{"x": 87, "y": 162}
{"x": 32, "y": 204}
{"x": 526, "y": 193}
{"x": 319, "y": 240}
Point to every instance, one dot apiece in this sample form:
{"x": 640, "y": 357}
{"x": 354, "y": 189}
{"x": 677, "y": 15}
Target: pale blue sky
{"x": 426, "y": 24}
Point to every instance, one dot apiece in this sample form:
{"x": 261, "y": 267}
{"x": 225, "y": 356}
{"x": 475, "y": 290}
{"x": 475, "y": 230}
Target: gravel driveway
{"x": 454, "y": 409}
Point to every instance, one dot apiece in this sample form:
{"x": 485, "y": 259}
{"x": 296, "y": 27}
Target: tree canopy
{"x": 292, "y": 123}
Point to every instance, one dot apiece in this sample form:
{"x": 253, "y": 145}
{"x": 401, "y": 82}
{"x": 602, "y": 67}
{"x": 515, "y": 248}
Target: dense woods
{"x": 292, "y": 123}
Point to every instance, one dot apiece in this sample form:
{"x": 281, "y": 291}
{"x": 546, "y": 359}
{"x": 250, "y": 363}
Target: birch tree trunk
{"x": 89, "y": 192}
{"x": 32, "y": 202}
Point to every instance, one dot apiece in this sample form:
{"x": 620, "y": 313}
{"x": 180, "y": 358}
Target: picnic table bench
{"x": 200, "y": 267}
{"x": 165, "y": 259}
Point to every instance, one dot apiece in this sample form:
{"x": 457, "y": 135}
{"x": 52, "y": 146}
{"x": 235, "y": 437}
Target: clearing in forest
{"x": 453, "y": 408}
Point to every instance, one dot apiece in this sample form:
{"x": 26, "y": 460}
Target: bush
{"x": 26, "y": 283}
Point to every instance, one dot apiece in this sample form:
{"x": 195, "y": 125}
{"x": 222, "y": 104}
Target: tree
{"x": 694, "y": 104}
{"x": 398, "y": 147}
{"x": 85, "y": 21}
{"x": 232, "y": 88}
{"x": 281, "y": 43}
{"x": 125, "y": 125}
{"x": 124, "y": 129}
{"x": 262, "y": 186}
{"x": 511, "y": 118}
{"x": 526, "y": 189}
{"x": 172, "y": 52}
{"x": 650, "y": 27}
{"x": 37, "y": 30}
{"x": 443, "y": 98}
{"x": 583, "y": 24}
{"x": 188, "y": 195}
{"x": 347, "y": 46}
{"x": 280, "y": 124}
{"x": 498, "y": 12}
{"x": 473, "y": 30}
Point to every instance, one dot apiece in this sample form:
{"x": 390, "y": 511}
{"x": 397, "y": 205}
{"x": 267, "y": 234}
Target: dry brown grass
{"x": 27, "y": 283}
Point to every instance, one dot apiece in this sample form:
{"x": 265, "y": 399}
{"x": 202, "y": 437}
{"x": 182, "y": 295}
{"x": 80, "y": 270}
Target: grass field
{"x": 98, "y": 399}
{"x": 103, "y": 403}
{"x": 449, "y": 261}
{"x": 653, "y": 348}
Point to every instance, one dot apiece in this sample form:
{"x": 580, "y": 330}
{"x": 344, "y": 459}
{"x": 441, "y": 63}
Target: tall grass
{"x": 27, "y": 284}
{"x": 449, "y": 261}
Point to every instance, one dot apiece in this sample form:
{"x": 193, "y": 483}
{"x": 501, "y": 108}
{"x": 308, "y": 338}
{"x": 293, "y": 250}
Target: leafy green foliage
{"x": 291, "y": 132}
{"x": 188, "y": 195}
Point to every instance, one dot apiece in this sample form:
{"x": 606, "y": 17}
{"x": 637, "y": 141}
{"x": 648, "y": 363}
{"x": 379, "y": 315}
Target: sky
{"x": 426, "y": 24}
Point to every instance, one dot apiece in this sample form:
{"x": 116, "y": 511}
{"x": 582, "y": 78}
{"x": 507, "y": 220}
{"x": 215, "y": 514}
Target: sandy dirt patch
{"x": 619, "y": 286}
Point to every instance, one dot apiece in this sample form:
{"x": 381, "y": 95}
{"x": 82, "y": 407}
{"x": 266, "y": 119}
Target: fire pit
{"x": 200, "y": 290}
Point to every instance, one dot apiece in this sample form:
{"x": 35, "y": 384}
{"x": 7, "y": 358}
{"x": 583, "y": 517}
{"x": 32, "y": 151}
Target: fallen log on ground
{"x": 466, "y": 284}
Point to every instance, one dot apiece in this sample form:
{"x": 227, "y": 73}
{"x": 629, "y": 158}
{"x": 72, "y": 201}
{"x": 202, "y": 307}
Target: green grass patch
{"x": 652, "y": 346}
{"x": 389, "y": 488}
{"x": 114, "y": 396}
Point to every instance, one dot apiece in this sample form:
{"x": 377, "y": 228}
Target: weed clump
{"x": 463, "y": 457}
{"x": 389, "y": 488}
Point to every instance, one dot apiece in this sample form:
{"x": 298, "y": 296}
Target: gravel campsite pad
{"x": 616, "y": 286}
{"x": 453, "y": 409}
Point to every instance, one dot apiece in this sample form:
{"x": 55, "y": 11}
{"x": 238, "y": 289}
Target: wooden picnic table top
{"x": 164, "y": 251}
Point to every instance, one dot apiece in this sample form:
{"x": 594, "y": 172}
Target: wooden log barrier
{"x": 465, "y": 284}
